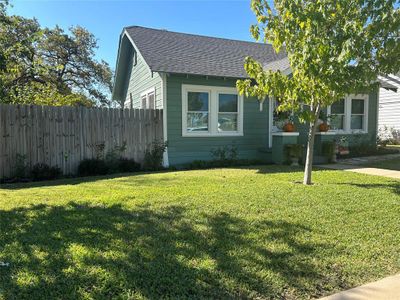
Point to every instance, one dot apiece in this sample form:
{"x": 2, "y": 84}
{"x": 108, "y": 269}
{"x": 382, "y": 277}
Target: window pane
{"x": 338, "y": 107}
{"x": 227, "y": 122}
{"x": 197, "y": 122}
{"x": 144, "y": 101}
{"x": 357, "y": 106}
{"x": 337, "y": 122}
{"x": 228, "y": 103}
{"x": 357, "y": 122}
{"x": 197, "y": 101}
{"x": 150, "y": 99}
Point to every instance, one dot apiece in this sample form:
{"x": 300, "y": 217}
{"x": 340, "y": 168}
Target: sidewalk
{"x": 362, "y": 170}
{"x": 385, "y": 289}
{"x": 356, "y": 165}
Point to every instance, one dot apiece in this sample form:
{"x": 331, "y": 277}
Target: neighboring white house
{"x": 389, "y": 106}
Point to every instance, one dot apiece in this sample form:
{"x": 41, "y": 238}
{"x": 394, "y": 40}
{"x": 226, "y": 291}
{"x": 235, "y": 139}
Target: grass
{"x": 224, "y": 233}
{"x": 391, "y": 164}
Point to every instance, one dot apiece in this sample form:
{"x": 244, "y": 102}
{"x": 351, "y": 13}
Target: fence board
{"x": 63, "y": 136}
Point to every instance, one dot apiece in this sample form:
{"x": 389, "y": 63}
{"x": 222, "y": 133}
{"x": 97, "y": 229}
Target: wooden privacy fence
{"x": 63, "y": 136}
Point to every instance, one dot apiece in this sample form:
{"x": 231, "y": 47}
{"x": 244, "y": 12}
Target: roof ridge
{"x": 200, "y": 35}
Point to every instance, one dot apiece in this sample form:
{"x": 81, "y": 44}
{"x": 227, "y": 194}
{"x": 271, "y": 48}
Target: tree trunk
{"x": 310, "y": 148}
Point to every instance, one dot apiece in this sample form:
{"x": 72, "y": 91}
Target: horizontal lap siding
{"x": 354, "y": 139}
{"x": 142, "y": 79}
{"x": 389, "y": 108}
{"x": 182, "y": 150}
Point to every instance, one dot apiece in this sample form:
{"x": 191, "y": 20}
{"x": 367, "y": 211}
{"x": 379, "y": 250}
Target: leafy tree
{"x": 334, "y": 47}
{"x": 49, "y": 66}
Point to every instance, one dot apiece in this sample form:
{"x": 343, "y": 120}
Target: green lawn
{"x": 392, "y": 164}
{"x": 224, "y": 233}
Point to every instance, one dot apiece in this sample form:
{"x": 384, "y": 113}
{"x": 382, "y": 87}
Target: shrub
{"x": 225, "y": 153}
{"x": 42, "y": 171}
{"x": 21, "y": 169}
{"x": 92, "y": 166}
{"x": 209, "y": 164}
{"x": 293, "y": 153}
{"x": 153, "y": 156}
{"x": 128, "y": 165}
{"x": 329, "y": 150}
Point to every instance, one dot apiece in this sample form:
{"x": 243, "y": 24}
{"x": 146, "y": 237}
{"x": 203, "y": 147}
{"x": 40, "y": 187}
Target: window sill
{"x": 191, "y": 135}
{"x": 283, "y": 133}
{"x": 351, "y": 132}
{"x": 327, "y": 132}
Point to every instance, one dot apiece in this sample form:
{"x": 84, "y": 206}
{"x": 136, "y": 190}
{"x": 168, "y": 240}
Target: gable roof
{"x": 182, "y": 53}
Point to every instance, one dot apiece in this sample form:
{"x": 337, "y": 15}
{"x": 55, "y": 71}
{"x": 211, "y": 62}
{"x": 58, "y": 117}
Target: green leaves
{"x": 50, "y": 66}
{"x": 335, "y": 47}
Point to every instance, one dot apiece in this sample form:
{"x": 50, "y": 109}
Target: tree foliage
{"x": 49, "y": 66}
{"x": 334, "y": 47}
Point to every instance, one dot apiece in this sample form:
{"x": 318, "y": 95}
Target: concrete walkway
{"x": 364, "y": 170}
{"x": 385, "y": 289}
{"x": 368, "y": 159}
{"x": 356, "y": 165}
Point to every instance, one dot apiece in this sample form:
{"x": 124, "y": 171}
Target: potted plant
{"x": 289, "y": 125}
{"x": 294, "y": 153}
{"x": 324, "y": 126}
{"x": 343, "y": 146}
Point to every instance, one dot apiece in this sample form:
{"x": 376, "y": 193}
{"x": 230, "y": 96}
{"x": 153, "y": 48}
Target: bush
{"x": 92, "y": 167}
{"x": 293, "y": 153}
{"x": 209, "y": 164}
{"x": 128, "y": 165}
{"x": 329, "y": 150}
{"x": 153, "y": 156}
{"x": 42, "y": 171}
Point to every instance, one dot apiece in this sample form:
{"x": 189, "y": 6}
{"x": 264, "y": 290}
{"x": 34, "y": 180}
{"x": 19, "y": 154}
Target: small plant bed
{"x": 242, "y": 233}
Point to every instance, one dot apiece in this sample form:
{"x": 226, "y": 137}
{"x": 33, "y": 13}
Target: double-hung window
{"x": 357, "y": 114}
{"x": 197, "y": 111}
{"x": 228, "y": 110}
{"x": 337, "y": 120}
{"x": 147, "y": 99}
{"x": 350, "y": 114}
{"x": 211, "y": 111}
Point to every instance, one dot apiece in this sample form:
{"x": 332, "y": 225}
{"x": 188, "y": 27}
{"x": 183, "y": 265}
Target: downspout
{"x": 165, "y": 131}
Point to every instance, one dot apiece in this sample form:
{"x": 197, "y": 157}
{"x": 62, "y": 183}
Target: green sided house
{"x": 192, "y": 79}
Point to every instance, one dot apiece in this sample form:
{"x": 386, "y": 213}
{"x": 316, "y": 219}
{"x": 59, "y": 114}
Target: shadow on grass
{"x": 263, "y": 169}
{"x": 71, "y": 180}
{"x": 393, "y": 186}
{"x": 80, "y": 251}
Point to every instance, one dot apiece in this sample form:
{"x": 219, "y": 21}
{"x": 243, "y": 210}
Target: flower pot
{"x": 289, "y": 127}
{"x": 294, "y": 161}
{"x": 323, "y": 127}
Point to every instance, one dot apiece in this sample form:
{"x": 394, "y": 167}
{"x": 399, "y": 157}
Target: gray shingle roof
{"x": 172, "y": 52}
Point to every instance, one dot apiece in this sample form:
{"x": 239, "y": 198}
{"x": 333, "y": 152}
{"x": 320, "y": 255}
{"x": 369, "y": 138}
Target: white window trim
{"x": 347, "y": 114}
{"x": 147, "y": 93}
{"x": 213, "y": 109}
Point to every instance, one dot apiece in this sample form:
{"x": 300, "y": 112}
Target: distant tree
{"x": 335, "y": 47}
{"x": 49, "y": 66}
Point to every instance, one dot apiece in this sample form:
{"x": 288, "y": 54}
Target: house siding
{"x": 389, "y": 106}
{"x": 182, "y": 150}
{"x": 254, "y": 144}
{"x": 368, "y": 138}
{"x": 140, "y": 80}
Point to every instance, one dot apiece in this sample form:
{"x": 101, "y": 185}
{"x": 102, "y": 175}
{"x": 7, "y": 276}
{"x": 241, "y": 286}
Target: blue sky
{"x": 230, "y": 19}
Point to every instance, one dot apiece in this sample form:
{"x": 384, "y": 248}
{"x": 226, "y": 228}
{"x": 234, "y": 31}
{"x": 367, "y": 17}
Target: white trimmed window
{"x": 147, "y": 99}
{"x": 350, "y": 115}
{"x": 211, "y": 111}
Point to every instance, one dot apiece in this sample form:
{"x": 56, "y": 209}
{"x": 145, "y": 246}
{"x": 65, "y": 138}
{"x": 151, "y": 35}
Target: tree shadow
{"x": 102, "y": 252}
{"x": 393, "y": 186}
{"x": 72, "y": 180}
